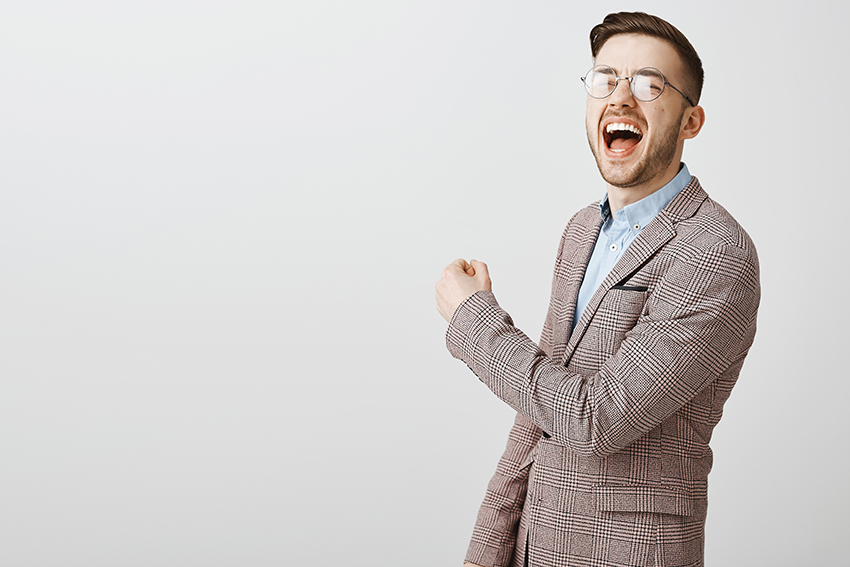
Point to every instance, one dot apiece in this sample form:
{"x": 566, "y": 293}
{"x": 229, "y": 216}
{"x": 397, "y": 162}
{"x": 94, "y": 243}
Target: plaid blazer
{"x": 607, "y": 463}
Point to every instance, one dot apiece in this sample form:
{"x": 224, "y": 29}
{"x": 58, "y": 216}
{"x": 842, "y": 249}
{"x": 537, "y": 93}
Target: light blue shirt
{"x": 619, "y": 231}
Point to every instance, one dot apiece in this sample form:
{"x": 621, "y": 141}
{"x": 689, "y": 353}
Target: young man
{"x": 653, "y": 310}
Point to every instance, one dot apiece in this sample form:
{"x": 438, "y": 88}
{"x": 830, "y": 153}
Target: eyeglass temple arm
{"x": 687, "y": 98}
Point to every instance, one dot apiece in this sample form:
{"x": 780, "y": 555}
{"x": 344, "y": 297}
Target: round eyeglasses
{"x": 646, "y": 84}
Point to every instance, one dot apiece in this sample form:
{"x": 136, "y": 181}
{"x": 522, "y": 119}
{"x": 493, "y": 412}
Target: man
{"x": 652, "y": 312}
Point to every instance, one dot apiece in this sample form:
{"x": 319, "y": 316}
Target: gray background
{"x": 221, "y": 223}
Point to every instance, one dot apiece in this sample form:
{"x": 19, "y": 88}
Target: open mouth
{"x": 620, "y": 137}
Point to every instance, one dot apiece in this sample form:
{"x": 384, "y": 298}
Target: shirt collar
{"x": 643, "y": 211}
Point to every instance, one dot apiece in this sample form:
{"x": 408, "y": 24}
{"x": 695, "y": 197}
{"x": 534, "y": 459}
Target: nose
{"x": 622, "y": 95}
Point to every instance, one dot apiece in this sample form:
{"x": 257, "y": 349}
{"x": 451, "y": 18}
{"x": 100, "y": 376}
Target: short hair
{"x": 646, "y": 24}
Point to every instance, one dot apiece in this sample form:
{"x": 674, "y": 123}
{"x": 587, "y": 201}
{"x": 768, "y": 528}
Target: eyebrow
{"x": 651, "y": 71}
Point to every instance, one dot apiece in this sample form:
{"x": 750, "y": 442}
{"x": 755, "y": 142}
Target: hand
{"x": 460, "y": 280}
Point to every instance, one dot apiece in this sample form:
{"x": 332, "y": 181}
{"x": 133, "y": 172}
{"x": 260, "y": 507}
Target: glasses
{"x": 646, "y": 84}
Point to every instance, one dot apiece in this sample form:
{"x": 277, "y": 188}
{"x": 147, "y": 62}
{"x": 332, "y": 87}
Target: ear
{"x": 692, "y": 122}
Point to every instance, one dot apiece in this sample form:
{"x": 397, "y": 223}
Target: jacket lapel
{"x": 572, "y": 263}
{"x": 651, "y": 239}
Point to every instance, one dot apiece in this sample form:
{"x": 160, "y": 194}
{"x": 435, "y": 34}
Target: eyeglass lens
{"x": 646, "y": 84}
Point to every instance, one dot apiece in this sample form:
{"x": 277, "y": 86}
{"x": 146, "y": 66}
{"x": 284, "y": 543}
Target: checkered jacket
{"x": 607, "y": 463}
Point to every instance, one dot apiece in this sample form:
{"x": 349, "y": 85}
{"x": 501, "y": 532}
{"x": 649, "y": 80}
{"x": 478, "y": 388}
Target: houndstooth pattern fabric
{"x": 607, "y": 463}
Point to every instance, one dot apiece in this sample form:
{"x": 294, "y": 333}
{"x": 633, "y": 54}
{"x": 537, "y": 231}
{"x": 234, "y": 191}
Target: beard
{"x": 652, "y": 163}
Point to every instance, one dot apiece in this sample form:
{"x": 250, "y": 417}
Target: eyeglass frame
{"x": 617, "y": 80}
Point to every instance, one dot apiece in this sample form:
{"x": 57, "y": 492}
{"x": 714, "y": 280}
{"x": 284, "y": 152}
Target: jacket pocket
{"x": 652, "y": 499}
{"x": 631, "y": 287}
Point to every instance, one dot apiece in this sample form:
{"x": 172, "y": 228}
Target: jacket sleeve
{"x": 699, "y": 321}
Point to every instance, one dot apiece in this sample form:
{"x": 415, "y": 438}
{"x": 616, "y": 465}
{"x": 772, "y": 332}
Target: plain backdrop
{"x": 220, "y": 227}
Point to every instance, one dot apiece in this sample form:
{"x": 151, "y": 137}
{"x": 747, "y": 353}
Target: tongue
{"x": 623, "y": 143}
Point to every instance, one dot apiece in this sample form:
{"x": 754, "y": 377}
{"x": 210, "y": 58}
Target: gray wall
{"x": 221, "y": 223}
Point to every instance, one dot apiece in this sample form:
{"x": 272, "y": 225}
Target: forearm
{"x": 518, "y": 371}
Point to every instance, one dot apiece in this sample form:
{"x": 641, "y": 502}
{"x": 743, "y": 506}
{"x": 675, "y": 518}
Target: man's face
{"x": 626, "y": 160}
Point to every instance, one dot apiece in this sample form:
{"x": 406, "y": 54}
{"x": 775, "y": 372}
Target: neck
{"x": 619, "y": 197}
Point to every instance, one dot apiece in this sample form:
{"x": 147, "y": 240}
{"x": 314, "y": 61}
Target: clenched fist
{"x": 461, "y": 279}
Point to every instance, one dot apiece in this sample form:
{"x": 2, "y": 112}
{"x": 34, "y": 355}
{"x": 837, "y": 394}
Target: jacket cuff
{"x": 468, "y": 321}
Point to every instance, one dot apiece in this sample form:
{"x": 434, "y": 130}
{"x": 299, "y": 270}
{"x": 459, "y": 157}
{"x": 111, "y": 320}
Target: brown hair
{"x": 645, "y": 24}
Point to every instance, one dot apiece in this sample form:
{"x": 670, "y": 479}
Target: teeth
{"x": 614, "y": 126}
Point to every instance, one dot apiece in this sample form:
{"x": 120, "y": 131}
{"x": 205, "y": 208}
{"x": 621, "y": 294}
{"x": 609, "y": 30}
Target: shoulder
{"x": 582, "y": 222}
{"x": 702, "y": 224}
{"x": 713, "y": 225}
{"x": 586, "y": 217}
{"x": 710, "y": 246}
